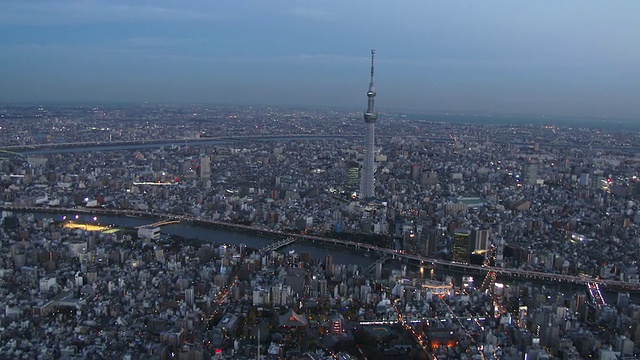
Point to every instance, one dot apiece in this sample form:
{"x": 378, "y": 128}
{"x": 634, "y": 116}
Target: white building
{"x": 47, "y": 284}
{"x": 77, "y": 247}
{"x": 147, "y": 232}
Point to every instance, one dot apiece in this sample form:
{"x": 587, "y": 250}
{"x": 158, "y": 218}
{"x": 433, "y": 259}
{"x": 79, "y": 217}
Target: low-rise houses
{"x": 544, "y": 198}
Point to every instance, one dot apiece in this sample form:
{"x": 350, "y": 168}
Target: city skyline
{"x": 544, "y": 58}
{"x": 529, "y": 231}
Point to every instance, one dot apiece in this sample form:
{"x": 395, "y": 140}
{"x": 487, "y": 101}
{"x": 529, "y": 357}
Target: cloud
{"x": 328, "y": 58}
{"x": 157, "y": 42}
{"x": 92, "y": 11}
{"x": 312, "y": 13}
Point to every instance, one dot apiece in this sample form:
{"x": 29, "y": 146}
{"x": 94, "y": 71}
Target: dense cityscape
{"x": 319, "y": 180}
{"x": 475, "y": 198}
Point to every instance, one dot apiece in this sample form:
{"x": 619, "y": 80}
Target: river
{"x": 218, "y": 236}
{"x": 317, "y": 251}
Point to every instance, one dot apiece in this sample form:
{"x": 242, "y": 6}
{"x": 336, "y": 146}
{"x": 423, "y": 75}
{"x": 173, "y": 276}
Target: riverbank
{"x": 151, "y": 216}
{"x": 214, "y": 224}
{"x": 213, "y": 232}
{"x": 342, "y": 251}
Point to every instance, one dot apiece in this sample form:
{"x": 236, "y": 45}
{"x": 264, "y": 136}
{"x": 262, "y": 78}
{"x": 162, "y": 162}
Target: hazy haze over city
{"x": 571, "y": 58}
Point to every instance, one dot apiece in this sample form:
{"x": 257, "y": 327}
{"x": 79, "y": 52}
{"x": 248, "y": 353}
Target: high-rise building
{"x": 328, "y": 264}
{"x": 322, "y": 288}
{"x": 531, "y": 173}
{"x": 623, "y": 300}
{"x": 189, "y": 296}
{"x": 481, "y": 239}
{"x": 431, "y": 241}
{"x": 461, "y": 246}
{"x": 415, "y": 172}
{"x": 353, "y": 174}
{"x": 370, "y": 116}
{"x": 205, "y": 167}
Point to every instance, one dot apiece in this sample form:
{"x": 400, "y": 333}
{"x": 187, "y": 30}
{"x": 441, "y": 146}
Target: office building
{"x": 461, "y": 246}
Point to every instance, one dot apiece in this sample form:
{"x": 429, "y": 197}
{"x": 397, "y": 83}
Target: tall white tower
{"x": 370, "y": 116}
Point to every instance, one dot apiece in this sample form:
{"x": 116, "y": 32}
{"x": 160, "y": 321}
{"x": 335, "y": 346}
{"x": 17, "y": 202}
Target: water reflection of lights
{"x": 87, "y": 227}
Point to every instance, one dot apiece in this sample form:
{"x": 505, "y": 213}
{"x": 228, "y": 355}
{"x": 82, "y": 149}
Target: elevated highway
{"x": 511, "y": 272}
{"x": 631, "y": 148}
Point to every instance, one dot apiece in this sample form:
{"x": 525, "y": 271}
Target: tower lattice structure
{"x": 370, "y": 117}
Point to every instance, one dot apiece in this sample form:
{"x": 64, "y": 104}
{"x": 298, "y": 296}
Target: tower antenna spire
{"x": 373, "y": 54}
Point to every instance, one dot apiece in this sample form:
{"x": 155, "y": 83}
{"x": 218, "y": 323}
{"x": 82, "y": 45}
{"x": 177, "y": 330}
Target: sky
{"x": 546, "y": 57}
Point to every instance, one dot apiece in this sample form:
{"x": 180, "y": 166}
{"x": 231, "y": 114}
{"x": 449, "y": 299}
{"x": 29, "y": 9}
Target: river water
{"x": 218, "y": 236}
